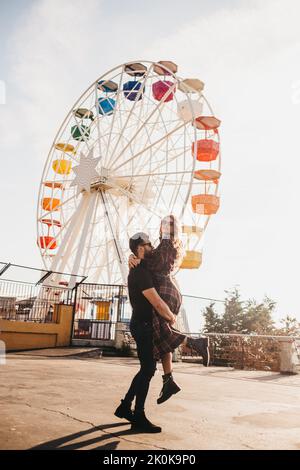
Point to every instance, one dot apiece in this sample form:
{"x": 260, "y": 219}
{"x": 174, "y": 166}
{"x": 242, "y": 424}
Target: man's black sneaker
{"x": 201, "y": 346}
{"x": 142, "y": 424}
{"x": 124, "y": 411}
{"x": 169, "y": 388}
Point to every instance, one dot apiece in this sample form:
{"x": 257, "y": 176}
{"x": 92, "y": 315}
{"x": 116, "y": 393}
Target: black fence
{"x": 98, "y": 307}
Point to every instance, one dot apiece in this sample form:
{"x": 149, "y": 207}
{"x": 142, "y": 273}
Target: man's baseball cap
{"x": 138, "y": 239}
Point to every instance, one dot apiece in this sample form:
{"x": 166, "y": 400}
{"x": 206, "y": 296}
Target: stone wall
{"x": 251, "y": 352}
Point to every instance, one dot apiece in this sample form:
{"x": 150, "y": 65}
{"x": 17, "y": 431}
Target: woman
{"x": 162, "y": 262}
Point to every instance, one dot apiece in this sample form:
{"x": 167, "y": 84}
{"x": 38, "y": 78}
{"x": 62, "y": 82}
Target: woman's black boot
{"x": 201, "y": 346}
{"x": 169, "y": 388}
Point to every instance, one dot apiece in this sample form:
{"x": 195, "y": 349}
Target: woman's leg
{"x": 169, "y": 387}
{"x": 166, "y": 361}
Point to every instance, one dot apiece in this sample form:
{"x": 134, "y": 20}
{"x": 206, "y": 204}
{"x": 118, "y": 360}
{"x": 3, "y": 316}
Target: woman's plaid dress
{"x": 165, "y": 338}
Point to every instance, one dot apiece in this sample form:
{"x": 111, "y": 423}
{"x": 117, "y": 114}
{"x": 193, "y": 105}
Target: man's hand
{"x": 172, "y": 320}
{"x": 133, "y": 261}
{"x": 159, "y": 304}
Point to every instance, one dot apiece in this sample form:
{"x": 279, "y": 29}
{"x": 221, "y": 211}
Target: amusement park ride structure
{"x": 140, "y": 143}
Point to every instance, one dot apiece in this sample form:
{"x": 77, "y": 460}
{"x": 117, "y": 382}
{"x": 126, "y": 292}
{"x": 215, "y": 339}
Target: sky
{"x": 246, "y": 52}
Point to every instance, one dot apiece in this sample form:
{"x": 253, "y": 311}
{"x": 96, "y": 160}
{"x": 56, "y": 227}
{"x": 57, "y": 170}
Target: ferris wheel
{"x": 140, "y": 143}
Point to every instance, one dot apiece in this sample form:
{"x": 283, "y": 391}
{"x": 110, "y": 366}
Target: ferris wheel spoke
{"x": 141, "y": 127}
{"x": 171, "y": 159}
{"x": 130, "y": 196}
{"x": 115, "y": 113}
{"x": 143, "y": 111}
{"x": 129, "y": 115}
{"x": 165, "y": 173}
{"x": 69, "y": 238}
{"x": 115, "y": 239}
{"x": 99, "y": 267}
{"x": 159, "y": 198}
{"x": 155, "y": 124}
{"x": 167, "y": 159}
{"x": 92, "y": 228}
{"x": 88, "y": 214}
{"x": 97, "y": 118}
{"x": 108, "y": 264}
{"x": 153, "y": 152}
{"x": 148, "y": 148}
{"x": 175, "y": 195}
{"x": 118, "y": 215}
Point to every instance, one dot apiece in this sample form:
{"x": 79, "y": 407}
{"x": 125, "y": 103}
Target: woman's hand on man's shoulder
{"x": 133, "y": 261}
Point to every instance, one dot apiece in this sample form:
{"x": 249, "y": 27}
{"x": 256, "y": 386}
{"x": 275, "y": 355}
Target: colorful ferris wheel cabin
{"x": 207, "y": 175}
{"x": 62, "y": 167}
{"x": 133, "y": 90}
{"x": 47, "y": 243}
{"x": 165, "y": 67}
{"x": 84, "y": 113}
{"x": 205, "y": 150}
{"x": 106, "y": 106}
{"x": 66, "y": 148}
{"x": 188, "y": 110}
{"x": 53, "y": 185}
{"x": 50, "y": 204}
{"x": 207, "y": 123}
{"x": 191, "y": 85}
{"x": 205, "y": 204}
{"x": 192, "y": 230}
{"x": 191, "y": 260}
{"x": 136, "y": 69}
{"x": 108, "y": 86}
{"x": 162, "y": 90}
{"x": 81, "y": 132}
{"x": 51, "y": 222}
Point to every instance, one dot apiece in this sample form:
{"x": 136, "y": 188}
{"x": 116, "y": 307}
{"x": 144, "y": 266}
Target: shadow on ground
{"x": 66, "y": 442}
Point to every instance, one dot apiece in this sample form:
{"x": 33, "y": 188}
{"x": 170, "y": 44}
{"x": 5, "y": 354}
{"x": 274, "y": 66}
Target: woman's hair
{"x": 169, "y": 253}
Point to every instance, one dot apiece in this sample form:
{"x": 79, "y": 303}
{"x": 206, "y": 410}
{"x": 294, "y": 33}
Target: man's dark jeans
{"x": 142, "y": 333}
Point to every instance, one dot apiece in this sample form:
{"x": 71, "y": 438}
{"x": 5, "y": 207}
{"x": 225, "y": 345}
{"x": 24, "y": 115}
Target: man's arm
{"x": 159, "y": 304}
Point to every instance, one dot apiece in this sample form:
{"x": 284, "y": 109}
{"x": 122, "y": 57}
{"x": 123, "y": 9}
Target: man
{"x": 143, "y": 297}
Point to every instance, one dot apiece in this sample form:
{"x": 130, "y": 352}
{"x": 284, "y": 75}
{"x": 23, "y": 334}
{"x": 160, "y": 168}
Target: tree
{"x": 241, "y": 316}
{"x": 257, "y": 318}
{"x": 291, "y": 326}
{"x": 232, "y": 319}
{"x": 213, "y": 323}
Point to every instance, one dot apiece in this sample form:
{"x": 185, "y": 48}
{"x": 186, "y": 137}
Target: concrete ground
{"x": 51, "y": 400}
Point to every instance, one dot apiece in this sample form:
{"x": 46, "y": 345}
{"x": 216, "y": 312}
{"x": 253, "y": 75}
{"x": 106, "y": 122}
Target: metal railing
{"x": 28, "y": 302}
{"x": 98, "y": 307}
{"x": 31, "y": 294}
{"x": 94, "y": 329}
